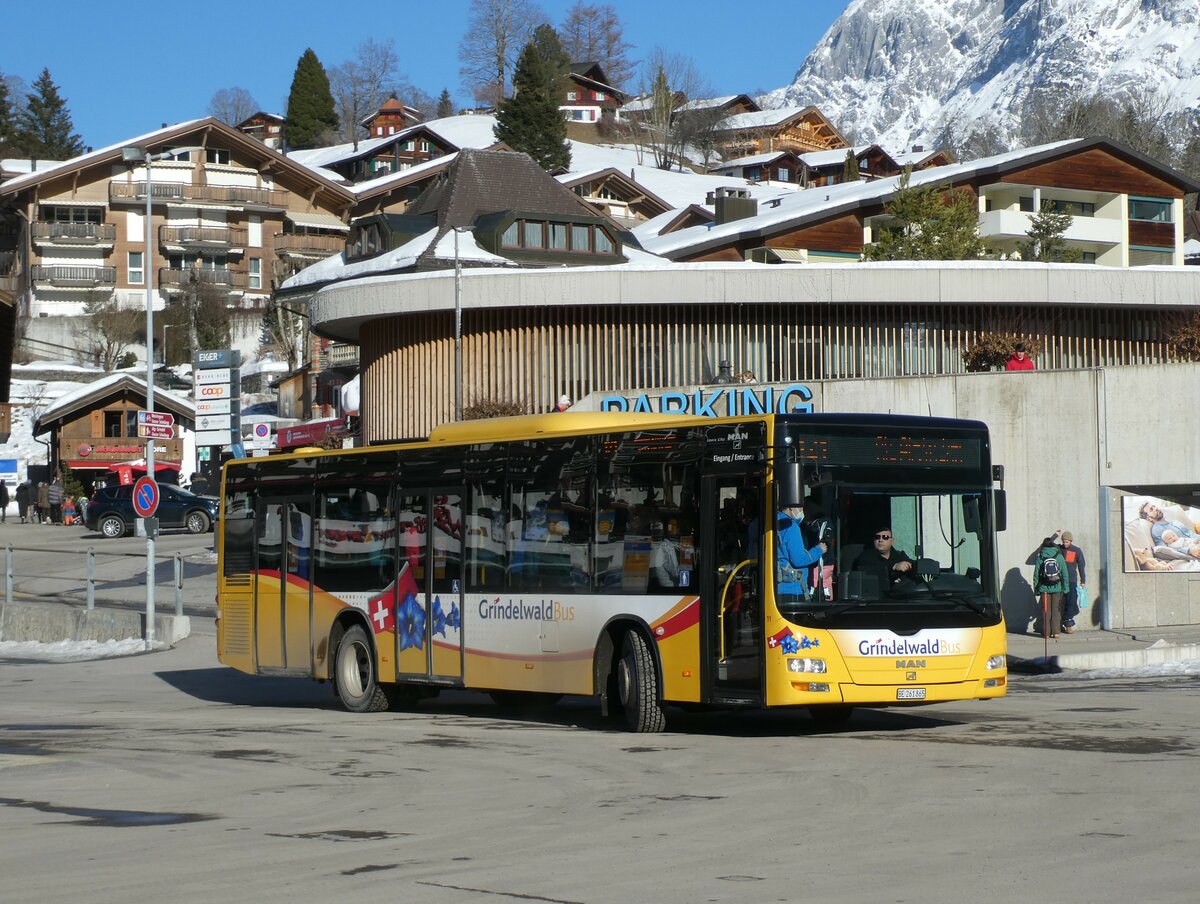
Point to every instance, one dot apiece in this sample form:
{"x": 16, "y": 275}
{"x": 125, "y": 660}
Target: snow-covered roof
{"x": 813, "y": 203}
{"x": 752, "y": 160}
{"x": 829, "y": 158}
{"x": 335, "y": 268}
{"x": 760, "y": 119}
{"x": 471, "y": 130}
{"x": 1191, "y": 248}
{"x": 97, "y": 388}
{"x": 82, "y": 159}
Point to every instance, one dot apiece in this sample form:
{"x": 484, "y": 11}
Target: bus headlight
{"x": 996, "y": 662}
{"x": 816, "y": 666}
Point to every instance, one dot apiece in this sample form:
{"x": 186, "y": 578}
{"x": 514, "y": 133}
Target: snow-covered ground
{"x": 72, "y": 650}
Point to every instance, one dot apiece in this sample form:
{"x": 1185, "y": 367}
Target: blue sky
{"x": 124, "y": 70}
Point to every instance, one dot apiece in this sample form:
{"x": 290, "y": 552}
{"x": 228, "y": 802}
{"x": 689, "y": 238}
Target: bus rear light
{"x": 816, "y": 666}
{"x": 996, "y": 662}
{"x": 993, "y": 682}
{"x": 811, "y": 687}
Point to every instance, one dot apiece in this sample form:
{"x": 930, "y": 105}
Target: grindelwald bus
{"x": 630, "y": 557}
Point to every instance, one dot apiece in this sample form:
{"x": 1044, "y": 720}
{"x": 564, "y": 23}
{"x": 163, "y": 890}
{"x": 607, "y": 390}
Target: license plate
{"x": 910, "y": 693}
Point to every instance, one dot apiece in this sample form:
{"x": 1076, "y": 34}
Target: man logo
{"x": 910, "y": 676}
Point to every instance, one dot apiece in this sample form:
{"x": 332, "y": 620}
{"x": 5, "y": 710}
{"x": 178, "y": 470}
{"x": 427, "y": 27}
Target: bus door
{"x": 283, "y": 601}
{"x": 730, "y": 589}
{"x": 429, "y": 636}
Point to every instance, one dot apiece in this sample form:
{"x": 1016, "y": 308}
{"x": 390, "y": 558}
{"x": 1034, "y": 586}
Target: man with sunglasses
{"x": 886, "y": 564}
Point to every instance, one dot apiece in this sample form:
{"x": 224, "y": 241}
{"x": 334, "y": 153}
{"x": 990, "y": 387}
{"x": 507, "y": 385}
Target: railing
{"x": 288, "y": 243}
{"x": 185, "y": 192}
{"x": 341, "y": 353}
{"x": 74, "y": 233}
{"x": 203, "y": 276}
{"x": 202, "y": 235}
{"x": 89, "y": 577}
{"x": 74, "y": 276}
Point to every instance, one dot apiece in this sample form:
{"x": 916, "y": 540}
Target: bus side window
{"x": 549, "y": 500}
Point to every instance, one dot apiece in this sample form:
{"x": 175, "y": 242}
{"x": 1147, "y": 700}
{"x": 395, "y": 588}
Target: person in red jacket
{"x": 1019, "y": 360}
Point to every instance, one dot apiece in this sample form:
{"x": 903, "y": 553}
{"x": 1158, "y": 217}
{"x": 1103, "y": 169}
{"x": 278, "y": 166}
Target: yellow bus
{"x": 630, "y": 557}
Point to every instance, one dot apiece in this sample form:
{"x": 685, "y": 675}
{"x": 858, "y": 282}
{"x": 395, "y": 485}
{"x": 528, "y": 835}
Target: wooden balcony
{"x": 236, "y": 196}
{"x": 287, "y": 243}
{"x": 60, "y": 277}
{"x": 221, "y": 278}
{"x": 191, "y": 238}
{"x": 342, "y": 354}
{"x": 86, "y": 234}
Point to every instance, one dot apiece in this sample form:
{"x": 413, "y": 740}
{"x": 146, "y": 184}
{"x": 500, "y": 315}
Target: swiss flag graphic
{"x": 383, "y": 607}
{"x": 776, "y": 639}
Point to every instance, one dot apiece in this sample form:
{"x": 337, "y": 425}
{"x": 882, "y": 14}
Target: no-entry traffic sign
{"x": 145, "y": 496}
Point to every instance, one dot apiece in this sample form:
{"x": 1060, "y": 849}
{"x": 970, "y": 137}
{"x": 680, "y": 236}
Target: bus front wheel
{"x": 357, "y": 683}
{"x": 637, "y": 686}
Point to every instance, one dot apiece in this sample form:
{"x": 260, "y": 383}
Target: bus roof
{"x": 498, "y": 429}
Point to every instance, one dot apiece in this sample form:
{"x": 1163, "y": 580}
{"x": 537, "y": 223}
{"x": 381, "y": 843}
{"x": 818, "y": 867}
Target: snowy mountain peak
{"x": 896, "y": 71}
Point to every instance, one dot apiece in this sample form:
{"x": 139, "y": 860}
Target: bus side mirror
{"x": 1001, "y": 501}
{"x": 789, "y": 482}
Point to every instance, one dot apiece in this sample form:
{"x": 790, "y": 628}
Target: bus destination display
{"x": 867, "y": 451}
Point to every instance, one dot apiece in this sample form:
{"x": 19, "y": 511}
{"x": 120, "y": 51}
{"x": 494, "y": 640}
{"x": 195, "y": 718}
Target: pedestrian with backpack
{"x": 1050, "y": 584}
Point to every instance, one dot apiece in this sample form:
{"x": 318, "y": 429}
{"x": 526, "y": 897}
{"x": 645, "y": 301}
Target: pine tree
{"x": 530, "y": 120}
{"x": 928, "y": 223}
{"x": 7, "y": 120}
{"x": 1046, "y": 242}
{"x": 445, "y": 106}
{"x": 45, "y": 129}
{"x": 850, "y": 171}
{"x": 311, "y": 115}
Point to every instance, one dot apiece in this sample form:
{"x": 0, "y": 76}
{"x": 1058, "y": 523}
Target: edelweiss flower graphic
{"x": 439, "y": 617}
{"x": 789, "y": 644}
{"x": 411, "y": 624}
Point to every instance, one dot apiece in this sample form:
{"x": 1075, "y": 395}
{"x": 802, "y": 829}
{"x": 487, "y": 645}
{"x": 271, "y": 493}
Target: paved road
{"x": 169, "y": 777}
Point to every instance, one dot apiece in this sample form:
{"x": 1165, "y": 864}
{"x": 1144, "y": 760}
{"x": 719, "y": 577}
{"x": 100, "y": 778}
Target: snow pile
{"x": 72, "y": 650}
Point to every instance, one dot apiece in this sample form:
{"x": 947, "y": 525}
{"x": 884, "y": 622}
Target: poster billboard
{"x": 1159, "y": 535}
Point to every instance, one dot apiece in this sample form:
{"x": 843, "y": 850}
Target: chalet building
{"x": 378, "y": 157}
{"x": 919, "y": 158}
{"x": 718, "y": 107}
{"x": 588, "y": 97}
{"x": 782, "y": 168}
{"x": 1127, "y": 209}
{"x": 230, "y": 216}
{"x": 799, "y": 129}
{"x": 94, "y": 430}
{"x": 264, "y": 127}
{"x": 616, "y": 195}
{"x": 391, "y": 117}
{"x": 829, "y": 167}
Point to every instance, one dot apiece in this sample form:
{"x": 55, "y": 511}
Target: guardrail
{"x": 9, "y": 573}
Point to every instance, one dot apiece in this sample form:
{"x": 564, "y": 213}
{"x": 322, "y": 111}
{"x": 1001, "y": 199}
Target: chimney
{"x": 918, "y": 148}
{"x": 732, "y": 204}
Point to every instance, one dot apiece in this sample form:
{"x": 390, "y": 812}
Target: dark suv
{"x": 111, "y": 510}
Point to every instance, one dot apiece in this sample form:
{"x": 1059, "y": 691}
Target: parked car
{"x": 111, "y": 510}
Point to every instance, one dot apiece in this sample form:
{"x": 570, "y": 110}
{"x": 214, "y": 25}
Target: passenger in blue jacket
{"x": 792, "y": 557}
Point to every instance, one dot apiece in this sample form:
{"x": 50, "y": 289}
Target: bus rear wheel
{"x": 357, "y": 683}
{"x": 637, "y": 686}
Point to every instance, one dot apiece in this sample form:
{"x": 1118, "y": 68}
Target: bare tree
{"x": 107, "y": 330}
{"x": 972, "y": 139}
{"x": 285, "y": 332}
{"x": 363, "y": 82}
{"x": 232, "y": 105}
{"x": 496, "y": 33}
{"x": 593, "y": 33}
{"x": 668, "y": 81}
{"x": 1142, "y": 117}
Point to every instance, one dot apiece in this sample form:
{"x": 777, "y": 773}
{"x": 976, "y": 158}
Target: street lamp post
{"x": 166, "y": 347}
{"x": 141, "y": 155}
{"x": 458, "y": 363}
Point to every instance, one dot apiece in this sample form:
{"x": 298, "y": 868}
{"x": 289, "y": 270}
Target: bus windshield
{"x": 894, "y": 548}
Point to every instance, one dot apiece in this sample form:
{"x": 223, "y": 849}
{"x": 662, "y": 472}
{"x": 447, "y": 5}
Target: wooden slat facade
{"x": 535, "y": 355}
